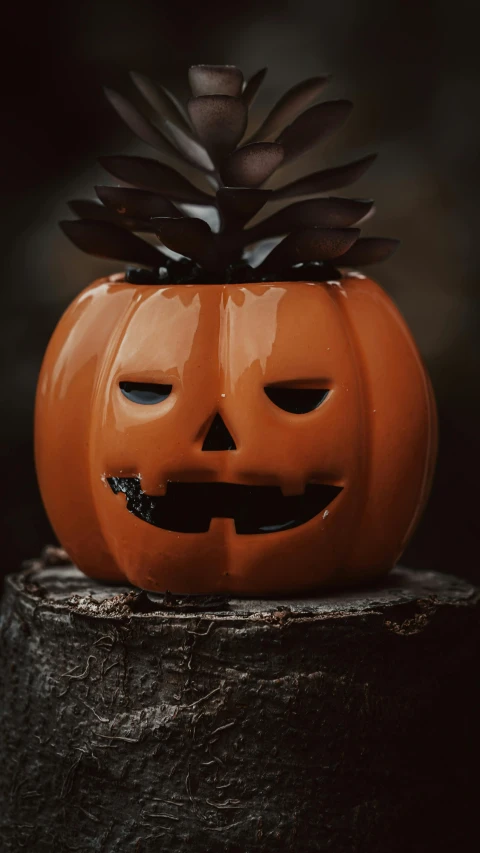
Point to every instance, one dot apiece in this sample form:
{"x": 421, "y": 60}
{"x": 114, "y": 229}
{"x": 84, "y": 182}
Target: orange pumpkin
{"x": 249, "y": 439}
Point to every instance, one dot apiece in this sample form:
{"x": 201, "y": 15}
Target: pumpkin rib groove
{"x": 108, "y": 360}
{"x": 406, "y": 354}
{"x": 56, "y": 422}
{"x": 430, "y": 459}
{"x": 340, "y": 299}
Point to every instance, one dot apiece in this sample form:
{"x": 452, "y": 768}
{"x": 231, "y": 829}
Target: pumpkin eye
{"x": 145, "y": 393}
{"x": 299, "y": 401}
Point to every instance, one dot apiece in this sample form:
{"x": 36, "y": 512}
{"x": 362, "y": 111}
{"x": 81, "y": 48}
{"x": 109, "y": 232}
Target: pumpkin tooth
{"x": 293, "y": 486}
{"x": 151, "y": 485}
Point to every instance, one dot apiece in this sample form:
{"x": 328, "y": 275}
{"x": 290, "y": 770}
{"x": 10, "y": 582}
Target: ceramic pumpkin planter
{"x": 210, "y": 425}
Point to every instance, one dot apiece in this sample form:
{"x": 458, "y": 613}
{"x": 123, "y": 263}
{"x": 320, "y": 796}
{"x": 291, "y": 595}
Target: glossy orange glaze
{"x": 219, "y": 346}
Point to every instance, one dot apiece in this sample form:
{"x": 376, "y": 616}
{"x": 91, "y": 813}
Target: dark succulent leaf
{"x": 316, "y": 212}
{"x": 252, "y": 86}
{"x": 369, "y": 250}
{"x": 239, "y": 204}
{"x": 139, "y": 125}
{"x": 190, "y": 148}
{"x": 311, "y": 244}
{"x": 89, "y": 209}
{"x": 190, "y": 237}
{"x": 220, "y": 122}
{"x": 179, "y": 106}
{"x": 149, "y": 174}
{"x": 215, "y": 80}
{"x": 86, "y": 208}
{"x": 312, "y": 126}
{"x": 184, "y": 146}
{"x": 137, "y": 204}
{"x": 252, "y": 164}
{"x": 293, "y": 102}
{"x": 326, "y": 180}
{"x": 106, "y": 240}
{"x": 162, "y": 101}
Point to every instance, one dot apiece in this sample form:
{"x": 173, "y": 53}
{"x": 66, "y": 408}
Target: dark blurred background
{"x": 413, "y": 72}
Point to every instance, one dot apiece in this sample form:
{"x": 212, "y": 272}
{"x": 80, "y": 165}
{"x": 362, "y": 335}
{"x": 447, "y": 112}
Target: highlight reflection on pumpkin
{"x": 175, "y": 424}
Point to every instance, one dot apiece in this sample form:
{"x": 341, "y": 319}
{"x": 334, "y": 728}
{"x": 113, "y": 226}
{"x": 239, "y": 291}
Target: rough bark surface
{"x": 144, "y": 723}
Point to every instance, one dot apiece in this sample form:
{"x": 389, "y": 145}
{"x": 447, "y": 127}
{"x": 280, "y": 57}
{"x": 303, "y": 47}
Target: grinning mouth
{"x": 190, "y": 507}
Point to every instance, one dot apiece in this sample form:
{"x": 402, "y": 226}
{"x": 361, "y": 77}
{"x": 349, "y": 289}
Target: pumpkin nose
{"x": 218, "y": 436}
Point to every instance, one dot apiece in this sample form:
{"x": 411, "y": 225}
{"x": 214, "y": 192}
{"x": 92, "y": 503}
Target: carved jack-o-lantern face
{"x": 253, "y": 439}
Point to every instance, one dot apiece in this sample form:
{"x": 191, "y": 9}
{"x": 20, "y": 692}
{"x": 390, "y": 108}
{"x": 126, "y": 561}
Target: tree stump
{"x": 142, "y": 722}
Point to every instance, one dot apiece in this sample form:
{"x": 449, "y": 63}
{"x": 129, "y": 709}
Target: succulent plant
{"x": 209, "y": 135}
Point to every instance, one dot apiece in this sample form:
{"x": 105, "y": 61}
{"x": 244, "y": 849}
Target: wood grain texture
{"x": 142, "y": 722}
